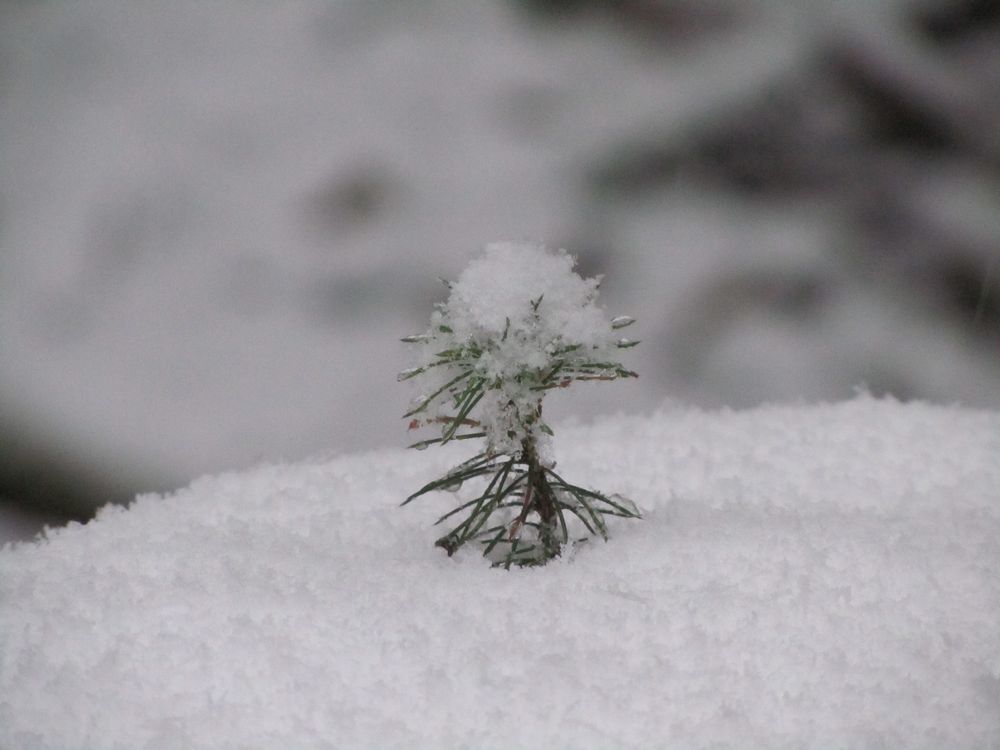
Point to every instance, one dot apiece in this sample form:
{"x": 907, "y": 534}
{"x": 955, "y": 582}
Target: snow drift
{"x": 822, "y": 576}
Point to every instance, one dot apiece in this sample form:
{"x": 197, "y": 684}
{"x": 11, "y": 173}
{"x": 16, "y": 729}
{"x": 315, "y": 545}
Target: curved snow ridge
{"x": 805, "y": 576}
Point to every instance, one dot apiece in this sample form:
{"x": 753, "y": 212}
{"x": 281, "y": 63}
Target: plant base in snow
{"x": 525, "y": 513}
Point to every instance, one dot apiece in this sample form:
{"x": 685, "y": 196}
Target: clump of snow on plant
{"x": 501, "y": 285}
{"x": 524, "y": 314}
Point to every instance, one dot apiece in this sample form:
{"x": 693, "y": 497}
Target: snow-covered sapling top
{"x": 518, "y": 322}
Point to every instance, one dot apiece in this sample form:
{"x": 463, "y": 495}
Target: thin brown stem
{"x": 540, "y": 498}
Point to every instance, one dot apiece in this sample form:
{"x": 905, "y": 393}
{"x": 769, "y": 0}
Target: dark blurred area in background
{"x": 217, "y": 219}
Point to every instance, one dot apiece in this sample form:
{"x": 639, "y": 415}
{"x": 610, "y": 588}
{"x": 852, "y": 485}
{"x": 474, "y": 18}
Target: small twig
{"x": 416, "y": 424}
{"x": 515, "y": 527}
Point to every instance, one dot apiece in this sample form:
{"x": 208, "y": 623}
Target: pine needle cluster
{"x": 517, "y": 324}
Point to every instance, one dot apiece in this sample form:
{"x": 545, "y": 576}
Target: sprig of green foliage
{"x": 522, "y": 512}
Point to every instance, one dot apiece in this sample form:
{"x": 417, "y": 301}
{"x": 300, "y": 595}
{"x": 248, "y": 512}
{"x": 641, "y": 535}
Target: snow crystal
{"x": 805, "y": 577}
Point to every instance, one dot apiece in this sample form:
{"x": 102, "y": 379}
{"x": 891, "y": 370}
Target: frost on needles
{"x": 518, "y": 322}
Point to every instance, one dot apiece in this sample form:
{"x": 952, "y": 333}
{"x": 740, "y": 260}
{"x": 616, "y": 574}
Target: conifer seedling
{"x": 518, "y": 322}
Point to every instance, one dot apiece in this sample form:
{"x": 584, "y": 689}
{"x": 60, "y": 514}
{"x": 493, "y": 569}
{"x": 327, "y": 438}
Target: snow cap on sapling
{"x": 496, "y": 291}
{"x": 518, "y": 322}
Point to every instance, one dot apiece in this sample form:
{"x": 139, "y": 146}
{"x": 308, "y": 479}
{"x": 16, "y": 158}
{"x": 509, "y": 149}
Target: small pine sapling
{"x": 518, "y": 322}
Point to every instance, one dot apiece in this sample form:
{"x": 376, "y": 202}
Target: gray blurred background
{"x": 217, "y": 218}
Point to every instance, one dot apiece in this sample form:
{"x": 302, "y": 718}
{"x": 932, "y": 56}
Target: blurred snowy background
{"x": 217, "y": 218}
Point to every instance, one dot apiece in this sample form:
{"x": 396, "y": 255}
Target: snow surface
{"x": 821, "y": 576}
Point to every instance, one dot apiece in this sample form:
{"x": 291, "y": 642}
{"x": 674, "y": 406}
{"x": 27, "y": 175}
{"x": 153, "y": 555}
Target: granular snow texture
{"x": 818, "y": 577}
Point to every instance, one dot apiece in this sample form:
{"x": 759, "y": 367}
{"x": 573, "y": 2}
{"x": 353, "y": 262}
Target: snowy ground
{"x": 813, "y": 576}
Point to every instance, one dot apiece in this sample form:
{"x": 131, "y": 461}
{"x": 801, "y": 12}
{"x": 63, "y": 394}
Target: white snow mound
{"x": 819, "y": 577}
